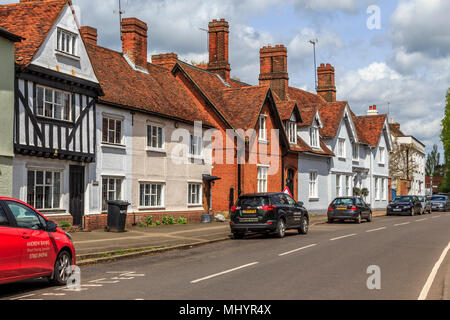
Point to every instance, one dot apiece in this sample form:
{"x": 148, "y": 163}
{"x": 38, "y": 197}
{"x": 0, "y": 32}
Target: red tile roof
{"x": 308, "y": 115}
{"x": 286, "y": 108}
{"x": 157, "y": 92}
{"x": 304, "y": 98}
{"x": 396, "y": 130}
{"x": 369, "y": 128}
{"x": 31, "y": 20}
{"x": 331, "y": 115}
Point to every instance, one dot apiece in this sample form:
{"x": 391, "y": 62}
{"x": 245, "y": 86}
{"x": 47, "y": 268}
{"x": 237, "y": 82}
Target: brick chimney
{"x": 89, "y": 35}
{"x": 273, "y": 69}
{"x": 372, "y": 111}
{"x": 326, "y": 86}
{"x": 134, "y": 41}
{"x": 219, "y": 48}
{"x": 165, "y": 60}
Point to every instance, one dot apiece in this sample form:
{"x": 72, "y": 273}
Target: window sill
{"x": 193, "y": 157}
{"x": 314, "y": 199}
{"x": 342, "y": 158}
{"x": 150, "y": 149}
{"x": 263, "y": 141}
{"x": 195, "y": 205}
{"x": 113, "y": 146}
{"x": 67, "y": 55}
{"x": 151, "y": 208}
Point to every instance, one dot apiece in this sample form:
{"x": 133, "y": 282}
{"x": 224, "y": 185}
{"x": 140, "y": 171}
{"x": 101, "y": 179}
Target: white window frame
{"x": 341, "y": 147}
{"x": 160, "y": 136}
{"x": 262, "y": 178}
{"x": 313, "y": 185}
{"x": 348, "y": 186}
{"x": 45, "y": 185}
{"x": 195, "y": 146}
{"x": 53, "y": 104}
{"x": 383, "y": 189}
{"x": 355, "y": 152}
{"x": 198, "y": 193}
{"x": 314, "y": 137}
{"x": 382, "y": 155}
{"x": 292, "y": 131}
{"x": 67, "y": 42}
{"x": 151, "y": 191}
{"x": 118, "y": 190}
{"x": 377, "y": 189}
{"x": 263, "y": 128}
{"x": 113, "y": 130}
{"x": 338, "y": 185}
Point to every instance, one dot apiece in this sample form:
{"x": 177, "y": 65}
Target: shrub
{"x": 170, "y": 220}
{"x": 65, "y": 224}
{"x": 182, "y": 220}
{"x": 142, "y": 225}
{"x": 165, "y": 220}
{"x": 149, "y": 220}
{"x": 158, "y": 223}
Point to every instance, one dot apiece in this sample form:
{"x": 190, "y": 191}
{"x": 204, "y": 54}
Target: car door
{"x": 11, "y": 248}
{"x": 296, "y": 211}
{"x": 288, "y": 211}
{"x": 38, "y": 255}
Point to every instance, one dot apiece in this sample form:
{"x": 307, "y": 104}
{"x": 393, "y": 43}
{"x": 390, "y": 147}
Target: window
{"x": 67, "y": 42}
{"x": 292, "y": 131}
{"x": 382, "y": 155}
{"x": 26, "y": 218}
{"x": 111, "y": 190}
{"x": 155, "y": 137}
{"x": 151, "y": 195}
{"x": 262, "y": 128}
{"x": 341, "y": 148}
{"x": 377, "y": 189}
{"x": 355, "y": 152}
{"x": 3, "y": 218}
{"x": 348, "y": 185}
{"x": 313, "y": 186}
{"x": 44, "y": 189}
{"x": 383, "y": 189}
{"x": 112, "y": 131}
{"x": 196, "y": 146}
{"x": 53, "y": 104}
{"x": 195, "y": 194}
{"x": 314, "y": 137}
{"x": 262, "y": 179}
{"x": 338, "y": 185}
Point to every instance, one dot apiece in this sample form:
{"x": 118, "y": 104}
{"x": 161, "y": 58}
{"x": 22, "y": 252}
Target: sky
{"x": 402, "y": 65}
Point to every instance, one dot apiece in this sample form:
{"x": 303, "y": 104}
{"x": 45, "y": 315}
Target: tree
{"x": 433, "y": 162}
{"x": 402, "y": 164}
{"x": 445, "y": 138}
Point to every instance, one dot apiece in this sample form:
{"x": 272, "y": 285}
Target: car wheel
{"x": 61, "y": 271}
{"x": 330, "y": 220}
{"x": 358, "y": 219}
{"x": 370, "y": 218}
{"x": 304, "y": 226}
{"x": 281, "y": 228}
{"x": 238, "y": 235}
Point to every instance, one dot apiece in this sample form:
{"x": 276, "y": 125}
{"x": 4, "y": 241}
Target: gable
{"x": 48, "y": 57}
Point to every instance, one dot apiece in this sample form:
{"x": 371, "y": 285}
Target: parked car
{"x": 31, "y": 246}
{"x": 268, "y": 213}
{"x": 349, "y": 208}
{"x": 409, "y": 205}
{"x": 440, "y": 203}
{"x": 426, "y": 204}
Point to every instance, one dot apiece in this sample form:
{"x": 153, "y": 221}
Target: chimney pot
{"x": 134, "y": 41}
{"x": 219, "y": 48}
{"x": 165, "y": 60}
{"x": 273, "y": 69}
{"x": 89, "y": 35}
{"x": 326, "y": 82}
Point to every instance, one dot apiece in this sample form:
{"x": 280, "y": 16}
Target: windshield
{"x": 438, "y": 198}
{"x": 403, "y": 199}
{"x": 252, "y": 202}
{"x": 343, "y": 202}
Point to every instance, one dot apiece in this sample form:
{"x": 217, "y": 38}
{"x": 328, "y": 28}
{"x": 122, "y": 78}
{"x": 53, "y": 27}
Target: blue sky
{"x": 406, "y": 62}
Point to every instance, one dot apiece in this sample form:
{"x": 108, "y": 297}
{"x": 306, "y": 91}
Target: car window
{"x": 359, "y": 202}
{"x": 3, "y": 218}
{"x": 276, "y": 199}
{"x": 252, "y": 202}
{"x": 438, "y": 198}
{"x": 26, "y": 218}
{"x": 345, "y": 201}
{"x": 291, "y": 201}
{"x": 403, "y": 199}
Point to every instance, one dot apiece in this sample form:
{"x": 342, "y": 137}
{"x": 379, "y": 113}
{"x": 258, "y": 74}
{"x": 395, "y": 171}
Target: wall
{"x": 380, "y": 171}
{"x": 7, "y": 115}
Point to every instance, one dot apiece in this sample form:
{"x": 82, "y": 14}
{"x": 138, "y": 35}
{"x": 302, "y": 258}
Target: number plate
{"x": 397, "y": 210}
{"x": 248, "y": 220}
{"x": 248, "y": 211}
{"x": 342, "y": 208}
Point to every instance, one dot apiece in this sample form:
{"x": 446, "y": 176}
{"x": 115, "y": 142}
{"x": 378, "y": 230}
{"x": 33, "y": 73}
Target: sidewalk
{"x": 100, "y": 246}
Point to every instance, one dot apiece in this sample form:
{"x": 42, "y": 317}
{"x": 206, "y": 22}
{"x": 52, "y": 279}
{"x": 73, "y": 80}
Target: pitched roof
{"x": 32, "y": 21}
{"x": 331, "y": 115}
{"x": 395, "y": 130}
{"x": 308, "y": 115}
{"x": 302, "y": 146}
{"x": 9, "y": 35}
{"x": 286, "y": 108}
{"x": 369, "y": 128}
{"x": 304, "y": 98}
{"x": 157, "y": 91}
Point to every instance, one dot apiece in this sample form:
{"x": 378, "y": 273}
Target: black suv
{"x": 268, "y": 213}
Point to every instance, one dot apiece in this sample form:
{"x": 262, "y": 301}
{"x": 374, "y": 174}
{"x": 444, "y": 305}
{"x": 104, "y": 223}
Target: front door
{"x": 290, "y": 181}
{"x": 76, "y": 194}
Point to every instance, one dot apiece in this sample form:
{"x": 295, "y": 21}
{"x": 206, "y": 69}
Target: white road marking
{"x": 426, "y": 288}
{"x": 435, "y": 217}
{"x": 21, "y": 297}
{"x": 103, "y": 281}
{"x": 92, "y": 285}
{"x": 53, "y": 294}
{"x": 347, "y": 236}
{"x": 373, "y": 230}
{"x": 224, "y": 272}
{"x": 401, "y": 224}
{"x": 296, "y": 250}
{"x": 421, "y": 219}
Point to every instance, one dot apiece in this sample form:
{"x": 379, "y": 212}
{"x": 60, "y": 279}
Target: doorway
{"x": 76, "y": 194}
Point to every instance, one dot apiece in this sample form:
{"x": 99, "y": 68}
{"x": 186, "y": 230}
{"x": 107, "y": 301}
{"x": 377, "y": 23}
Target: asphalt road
{"x": 330, "y": 262}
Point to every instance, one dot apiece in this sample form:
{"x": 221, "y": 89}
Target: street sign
{"x": 286, "y": 190}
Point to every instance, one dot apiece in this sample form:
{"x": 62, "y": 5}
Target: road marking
{"x": 421, "y": 219}
{"x": 373, "y": 230}
{"x": 22, "y": 297}
{"x": 401, "y": 224}
{"x": 435, "y": 217}
{"x": 54, "y": 294}
{"x": 426, "y": 288}
{"x": 92, "y": 285}
{"x": 103, "y": 281}
{"x": 296, "y": 250}
{"x": 347, "y": 236}
{"x": 224, "y": 272}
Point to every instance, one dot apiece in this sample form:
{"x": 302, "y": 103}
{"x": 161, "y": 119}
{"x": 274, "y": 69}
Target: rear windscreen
{"x": 253, "y": 202}
{"x": 343, "y": 202}
{"x": 437, "y": 198}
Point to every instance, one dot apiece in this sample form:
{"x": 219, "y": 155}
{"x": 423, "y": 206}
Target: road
{"x": 329, "y": 263}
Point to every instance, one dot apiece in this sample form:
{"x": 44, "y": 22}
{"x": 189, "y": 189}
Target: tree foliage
{"x": 402, "y": 164}
{"x": 445, "y": 138}
{"x": 433, "y": 162}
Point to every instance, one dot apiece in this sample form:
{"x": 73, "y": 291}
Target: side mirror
{"x": 51, "y": 226}
{"x": 300, "y": 204}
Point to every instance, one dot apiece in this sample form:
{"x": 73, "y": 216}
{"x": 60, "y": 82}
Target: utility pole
{"x": 207, "y": 39}
{"x": 120, "y": 12}
{"x": 314, "y": 42}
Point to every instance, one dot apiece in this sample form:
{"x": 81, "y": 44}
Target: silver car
{"x": 440, "y": 203}
{"x": 426, "y": 204}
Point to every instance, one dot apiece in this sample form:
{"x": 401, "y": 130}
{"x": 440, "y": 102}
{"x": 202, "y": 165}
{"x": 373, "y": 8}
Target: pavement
{"x": 100, "y": 246}
{"x": 334, "y": 261}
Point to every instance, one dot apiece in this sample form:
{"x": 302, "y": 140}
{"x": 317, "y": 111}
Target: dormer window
{"x": 262, "y": 128}
{"x": 67, "y": 42}
{"x": 314, "y": 137}
{"x": 291, "y": 128}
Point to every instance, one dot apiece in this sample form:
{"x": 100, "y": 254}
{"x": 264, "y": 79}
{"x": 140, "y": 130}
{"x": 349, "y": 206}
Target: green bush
{"x": 170, "y": 220}
{"x": 149, "y": 220}
{"x": 182, "y": 220}
{"x": 165, "y": 220}
{"x": 65, "y": 224}
{"x": 158, "y": 223}
{"x": 142, "y": 225}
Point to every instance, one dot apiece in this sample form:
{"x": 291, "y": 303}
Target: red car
{"x": 31, "y": 246}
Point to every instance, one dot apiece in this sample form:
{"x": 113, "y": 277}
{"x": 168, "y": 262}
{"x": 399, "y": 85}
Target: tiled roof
{"x": 304, "y": 98}
{"x": 331, "y": 115}
{"x": 32, "y": 21}
{"x": 369, "y": 128}
{"x": 308, "y": 115}
{"x": 157, "y": 92}
{"x": 302, "y": 146}
{"x": 395, "y": 130}
{"x": 286, "y": 108}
